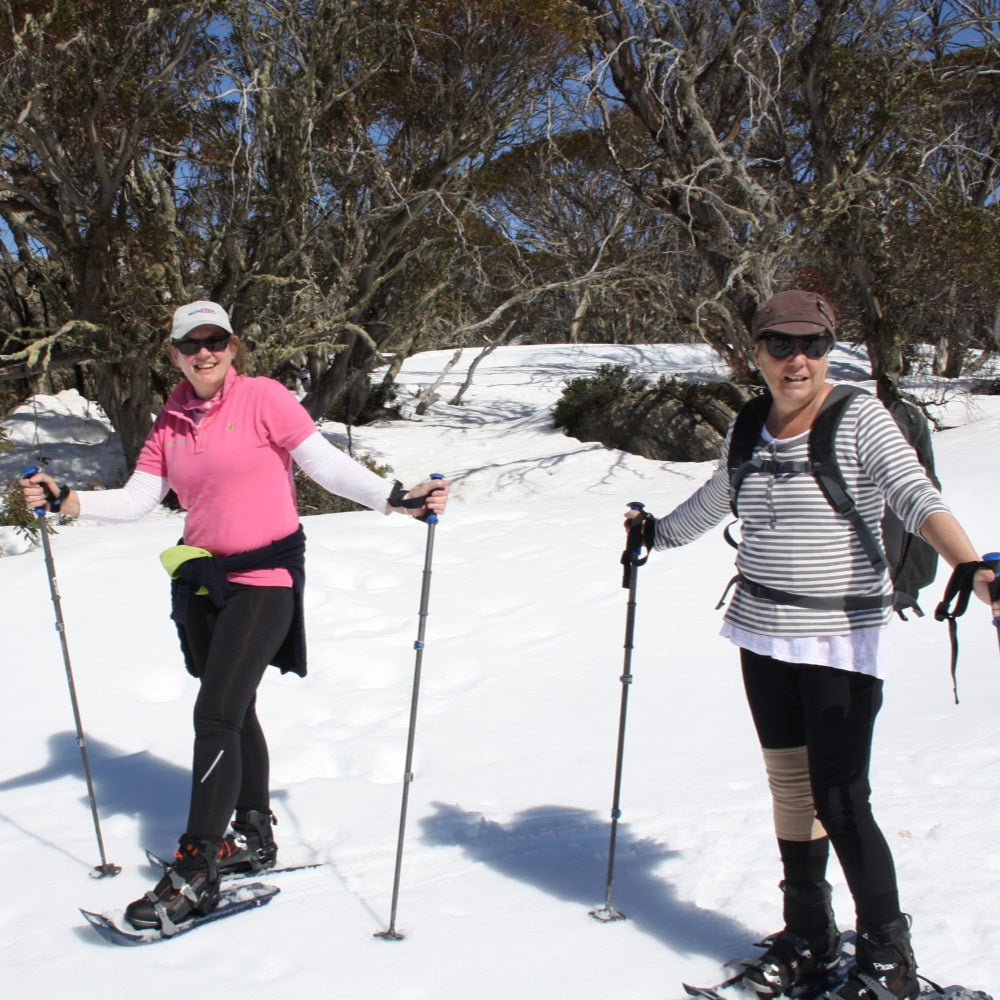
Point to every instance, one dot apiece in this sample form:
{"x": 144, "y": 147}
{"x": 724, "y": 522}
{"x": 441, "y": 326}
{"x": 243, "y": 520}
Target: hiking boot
{"x": 189, "y": 887}
{"x": 886, "y": 968}
{"x": 250, "y": 847}
{"x": 809, "y": 944}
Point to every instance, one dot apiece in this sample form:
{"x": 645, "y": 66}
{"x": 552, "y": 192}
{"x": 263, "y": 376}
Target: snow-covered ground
{"x": 506, "y": 847}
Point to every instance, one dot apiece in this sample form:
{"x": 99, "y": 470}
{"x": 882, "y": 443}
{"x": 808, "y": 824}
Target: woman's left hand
{"x": 436, "y": 492}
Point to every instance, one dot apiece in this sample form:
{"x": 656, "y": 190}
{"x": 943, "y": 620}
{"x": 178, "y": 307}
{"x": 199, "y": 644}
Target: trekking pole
{"x": 631, "y": 561}
{"x": 105, "y": 867}
{"x": 391, "y": 934}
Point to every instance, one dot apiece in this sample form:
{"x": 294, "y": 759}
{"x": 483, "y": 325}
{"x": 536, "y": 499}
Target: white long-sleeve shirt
{"x": 320, "y": 460}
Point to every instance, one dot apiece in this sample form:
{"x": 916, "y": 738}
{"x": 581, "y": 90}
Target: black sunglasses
{"x": 217, "y": 343}
{"x": 783, "y": 345}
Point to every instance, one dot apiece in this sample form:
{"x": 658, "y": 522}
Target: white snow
{"x": 507, "y": 836}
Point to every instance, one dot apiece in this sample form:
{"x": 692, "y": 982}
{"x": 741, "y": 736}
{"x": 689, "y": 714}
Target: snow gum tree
{"x": 849, "y": 145}
{"x": 356, "y": 180}
{"x": 91, "y": 106}
{"x": 308, "y": 165}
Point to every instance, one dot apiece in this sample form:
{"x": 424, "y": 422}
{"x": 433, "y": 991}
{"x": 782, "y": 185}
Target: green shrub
{"x": 13, "y": 510}
{"x": 580, "y": 395}
{"x": 985, "y": 387}
{"x": 614, "y": 383}
{"x": 671, "y": 420}
{"x": 313, "y": 499}
{"x": 692, "y": 394}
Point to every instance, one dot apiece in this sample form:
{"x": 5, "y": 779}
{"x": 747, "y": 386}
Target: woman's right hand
{"x": 34, "y": 488}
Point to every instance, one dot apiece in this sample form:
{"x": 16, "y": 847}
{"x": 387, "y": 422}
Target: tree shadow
{"x": 564, "y": 851}
{"x": 141, "y": 786}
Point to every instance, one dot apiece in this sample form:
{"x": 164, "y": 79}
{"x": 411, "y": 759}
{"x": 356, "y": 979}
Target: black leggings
{"x": 832, "y": 713}
{"x": 231, "y": 647}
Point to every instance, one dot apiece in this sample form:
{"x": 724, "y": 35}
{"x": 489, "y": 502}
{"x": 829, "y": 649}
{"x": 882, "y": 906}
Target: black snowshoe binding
{"x": 789, "y": 961}
{"x": 792, "y": 958}
{"x": 250, "y": 847}
{"x": 886, "y": 968}
{"x": 189, "y": 887}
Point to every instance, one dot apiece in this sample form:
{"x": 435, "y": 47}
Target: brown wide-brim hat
{"x": 794, "y": 312}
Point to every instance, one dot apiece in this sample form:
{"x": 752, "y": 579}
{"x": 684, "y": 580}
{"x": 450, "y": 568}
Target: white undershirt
{"x": 865, "y": 651}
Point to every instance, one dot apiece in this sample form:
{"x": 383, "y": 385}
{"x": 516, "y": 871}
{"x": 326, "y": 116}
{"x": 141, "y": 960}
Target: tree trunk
{"x": 578, "y": 317}
{"x": 456, "y": 400}
{"x": 122, "y": 389}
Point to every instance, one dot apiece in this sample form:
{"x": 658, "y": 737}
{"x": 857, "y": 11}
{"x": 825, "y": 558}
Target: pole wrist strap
{"x": 56, "y": 506}
{"x": 54, "y": 501}
{"x": 959, "y": 590}
{"x": 398, "y": 498}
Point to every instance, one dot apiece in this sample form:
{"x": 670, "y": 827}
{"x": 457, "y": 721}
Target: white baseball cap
{"x": 195, "y": 314}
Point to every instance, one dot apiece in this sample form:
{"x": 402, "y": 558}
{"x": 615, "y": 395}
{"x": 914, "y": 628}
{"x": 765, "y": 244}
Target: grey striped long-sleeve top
{"x": 792, "y": 539}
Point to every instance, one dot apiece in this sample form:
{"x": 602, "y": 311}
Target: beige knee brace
{"x": 791, "y": 795}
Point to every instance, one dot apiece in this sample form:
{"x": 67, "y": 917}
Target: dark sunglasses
{"x": 217, "y": 343}
{"x": 783, "y": 345}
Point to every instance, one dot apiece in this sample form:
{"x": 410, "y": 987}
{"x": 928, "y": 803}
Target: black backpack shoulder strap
{"x": 824, "y": 428}
{"x": 746, "y": 433}
{"x": 826, "y": 469}
{"x": 917, "y": 432}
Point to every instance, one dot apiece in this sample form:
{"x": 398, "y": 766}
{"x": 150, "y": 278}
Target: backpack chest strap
{"x": 779, "y": 467}
{"x": 766, "y": 467}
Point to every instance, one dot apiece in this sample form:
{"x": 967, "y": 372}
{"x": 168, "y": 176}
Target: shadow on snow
{"x": 140, "y": 785}
{"x": 564, "y": 852}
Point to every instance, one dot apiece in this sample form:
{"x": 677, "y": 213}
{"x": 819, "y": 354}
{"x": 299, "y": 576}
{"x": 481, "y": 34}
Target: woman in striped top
{"x": 813, "y": 674}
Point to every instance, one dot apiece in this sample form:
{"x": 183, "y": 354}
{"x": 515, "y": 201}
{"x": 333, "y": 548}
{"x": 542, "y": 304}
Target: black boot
{"x": 250, "y": 847}
{"x": 189, "y": 886}
{"x": 810, "y": 942}
{"x": 886, "y": 968}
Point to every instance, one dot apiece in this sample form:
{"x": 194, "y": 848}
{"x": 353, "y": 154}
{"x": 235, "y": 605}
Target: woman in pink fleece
{"x": 225, "y": 442}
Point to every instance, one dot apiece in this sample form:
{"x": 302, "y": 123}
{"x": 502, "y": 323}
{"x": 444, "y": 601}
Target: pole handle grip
{"x": 433, "y": 518}
{"x": 27, "y": 474}
{"x": 635, "y": 529}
